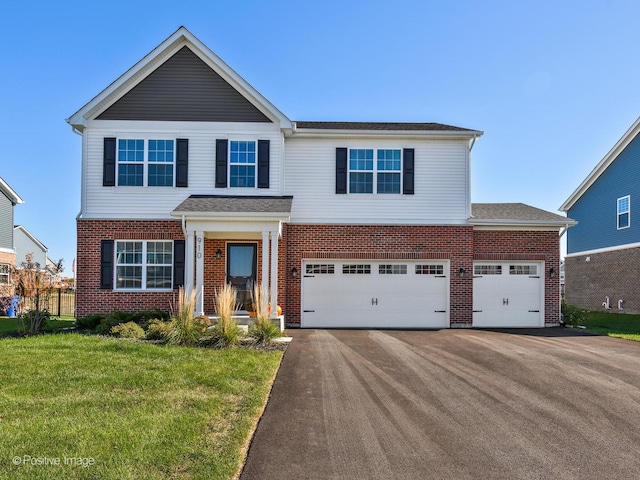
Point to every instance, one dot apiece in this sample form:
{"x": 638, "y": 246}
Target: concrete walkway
{"x": 451, "y": 404}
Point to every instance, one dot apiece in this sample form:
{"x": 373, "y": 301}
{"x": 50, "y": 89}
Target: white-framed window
{"x": 145, "y": 162}
{"x": 375, "y": 171}
{"x": 523, "y": 270}
{"x": 4, "y": 273}
{"x": 392, "y": 269}
{"x": 144, "y": 265}
{"x": 624, "y": 212}
{"x": 242, "y": 164}
{"x": 487, "y": 269}
{"x": 356, "y": 269}
{"x": 320, "y": 269}
{"x": 430, "y": 269}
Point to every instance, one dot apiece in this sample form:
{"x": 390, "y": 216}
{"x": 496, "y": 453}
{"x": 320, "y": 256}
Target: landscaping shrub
{"x": 33, "y": 320}
{"x": 112, "y": 319}
{"x": 225, "y": 333}
{"x": 184, "y": 330}
{"x": 90, "y": 322}
{"x": 263, "y": 330}
{"x": 573, "y": 315}
{"x": 157, "y": 329}
{"x": 127, "y": 330}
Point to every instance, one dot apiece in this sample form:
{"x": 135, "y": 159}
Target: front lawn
{"x": 74, "y": 406}
{"x": 11, "y": 325}
{"x": 620, "y": 325}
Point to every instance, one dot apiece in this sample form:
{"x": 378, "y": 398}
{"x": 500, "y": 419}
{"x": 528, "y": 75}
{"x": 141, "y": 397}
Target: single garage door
{"x": 375, "y": 294}
{"x": 508, "y": 294}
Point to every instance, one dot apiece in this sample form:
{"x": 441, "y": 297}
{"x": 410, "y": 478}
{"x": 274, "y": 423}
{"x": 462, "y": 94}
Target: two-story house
{"x": 603, "y": 249}
{"x": 8, "y": 199}
{"x": 191, "y": 177}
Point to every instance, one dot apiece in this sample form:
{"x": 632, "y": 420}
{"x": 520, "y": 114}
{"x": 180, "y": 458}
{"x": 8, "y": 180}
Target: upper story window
{"x": 624, "y": 212}
{"x": 242, "y": 164}
{"x": 145, "y": 163}
{"x": 380, "y": 176}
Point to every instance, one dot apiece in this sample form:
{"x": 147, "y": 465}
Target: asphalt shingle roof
{"x": 235, "y": 204}
{"x": 515, "y": 212}
{"x": 380, "y": 126}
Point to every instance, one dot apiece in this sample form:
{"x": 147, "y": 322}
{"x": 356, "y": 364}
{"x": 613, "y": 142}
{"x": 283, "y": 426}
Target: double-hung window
{"x": 624, "y": 212}
{"x": 375, "y": 171}
{"x": 4, "y": 273}
{"x": 242, "y": 164}
{"x": 145, "y": 162}
{"x": 144, "y": 265}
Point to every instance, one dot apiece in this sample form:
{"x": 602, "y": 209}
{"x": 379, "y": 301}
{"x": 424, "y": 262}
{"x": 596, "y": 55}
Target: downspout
{"x": 184, "y": 227}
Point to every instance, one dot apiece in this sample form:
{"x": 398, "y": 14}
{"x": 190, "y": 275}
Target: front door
{"x": 241, "y": 270}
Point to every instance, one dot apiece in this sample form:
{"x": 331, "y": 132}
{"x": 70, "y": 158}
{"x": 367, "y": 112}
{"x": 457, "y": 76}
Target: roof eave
{"x": 10, "y": 193}
{"x": 326, "y": 132}
{"x": 620, "y": 145}
{"x": 522, "y": 223}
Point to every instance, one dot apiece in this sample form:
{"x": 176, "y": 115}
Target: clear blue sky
{"x": 553, "y": 84}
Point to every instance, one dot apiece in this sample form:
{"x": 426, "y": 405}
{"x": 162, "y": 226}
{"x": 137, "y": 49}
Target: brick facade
{"x": 8, "y": 258}
{"x": 611, "y": 274}
{"x": 460, "y": 245}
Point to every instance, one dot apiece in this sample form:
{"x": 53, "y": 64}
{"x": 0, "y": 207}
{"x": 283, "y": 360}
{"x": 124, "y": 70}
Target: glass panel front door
{"x": 241, "y": 270}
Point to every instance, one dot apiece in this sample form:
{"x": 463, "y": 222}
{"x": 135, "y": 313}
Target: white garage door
{"x": 375, "y": 294}
{"x": 508, "y": 294}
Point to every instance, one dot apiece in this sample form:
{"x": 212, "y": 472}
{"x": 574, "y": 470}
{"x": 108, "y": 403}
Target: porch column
{"x": 274, "y": 274}
{"x": 265, "y": 260}
{"x": 200, "y": 273}
{"x": 189, "y": 258}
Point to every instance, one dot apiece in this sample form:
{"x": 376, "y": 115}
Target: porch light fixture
{"x": 294, "y": 272}
{"x": 552, "y": 272}
{"x": 218, "y": 254}
{"x": 462, "y": 272}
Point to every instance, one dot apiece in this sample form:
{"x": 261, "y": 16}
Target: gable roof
{"x": 37, "y": 242}
{"x": 154, "y": 60}
{"x": 515, "y": 214}
{"x": 10, "y": 192}
{"x": 599, "y": 169}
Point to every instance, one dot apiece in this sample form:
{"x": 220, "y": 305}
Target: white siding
{"x": 158, "y": 202}
{"x": 441, "y": 184}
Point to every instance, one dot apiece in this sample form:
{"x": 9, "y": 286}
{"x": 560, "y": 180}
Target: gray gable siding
{"x": 6, "y": 222}
{"x": 184, "y": 88}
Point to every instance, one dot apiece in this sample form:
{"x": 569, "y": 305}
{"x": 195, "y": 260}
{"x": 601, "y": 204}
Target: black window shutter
{"x": 109, "y": 163}
{"x": 341, "y": 170}
{"x": 408, "y": 155}
{"x": 178, "y": 263}
{"x": 221, "y": 163}
{"x": 182, "y": 162}
{"x": 263, "y": 163}
{"x": 106, "y": 264}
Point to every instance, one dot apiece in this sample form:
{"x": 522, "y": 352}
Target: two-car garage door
{"x": 415, "y": 294}
{"x": 375, "y": 294}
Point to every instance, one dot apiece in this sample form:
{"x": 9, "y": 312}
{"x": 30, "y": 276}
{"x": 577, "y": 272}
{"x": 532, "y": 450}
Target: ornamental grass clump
{"x": 263, "y": 330}
{"x": 184, "y": 329}
{"x": 225, "y": 333}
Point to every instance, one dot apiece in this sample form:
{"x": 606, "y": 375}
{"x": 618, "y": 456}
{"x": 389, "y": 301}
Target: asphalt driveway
{"x": 451, "y": 404}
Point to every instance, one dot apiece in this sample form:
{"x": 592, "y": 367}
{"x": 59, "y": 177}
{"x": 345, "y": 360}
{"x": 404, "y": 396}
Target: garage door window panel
{"x": 523, "y": 270}
{"x": 429, "y": 269}
{"x": 356, "y": 269}
{"x": 392, "y": 269}
{"x": 487, "y": 270}
{"x": 320, "y": 269}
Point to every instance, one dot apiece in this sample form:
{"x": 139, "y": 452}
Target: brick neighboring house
{"x": 603, "y": 250}
{"x": 190, "y": 177}
{"x": 8, "y": 199}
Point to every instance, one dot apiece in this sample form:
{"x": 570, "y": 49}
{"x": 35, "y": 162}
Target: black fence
{"x": 60, "y": 302}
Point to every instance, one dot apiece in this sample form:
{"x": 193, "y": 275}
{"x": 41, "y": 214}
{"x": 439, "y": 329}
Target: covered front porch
{"x": 236, "y": 240}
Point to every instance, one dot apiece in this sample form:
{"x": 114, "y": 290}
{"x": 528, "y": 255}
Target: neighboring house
{"x": 8, "y": 199}
{"x": 603, "y": 250}
{"x": 25, "y": 243}
{"x": 190, "y": 177}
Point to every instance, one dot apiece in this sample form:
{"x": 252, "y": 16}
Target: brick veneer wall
{"x": 8, "y": 258}
{"x": 89, "y": 297}
{"x": 613, "y": 274}
{"x": 526, "y": 245}
{"x": 454, "y": 243}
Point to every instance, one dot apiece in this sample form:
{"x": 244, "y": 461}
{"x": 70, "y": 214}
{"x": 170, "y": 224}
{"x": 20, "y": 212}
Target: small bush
{"x": 184, "y": 330}
{"x": 33, "y": 320}
{"x": 573, "y": 315}
{"x": 263, "y": 330}
{"x": 112, "y": 319}
{"x": 90, "y": 322}
{"x": 225, "y": 333}
{"x": 157, "y": 329}
{"x": 127, "y": 330}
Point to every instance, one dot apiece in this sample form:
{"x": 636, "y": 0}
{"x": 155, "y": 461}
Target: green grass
{"x": 138, "y": 410}
{"x": 12, "y": 325}
{"x": 619, "y": 325}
